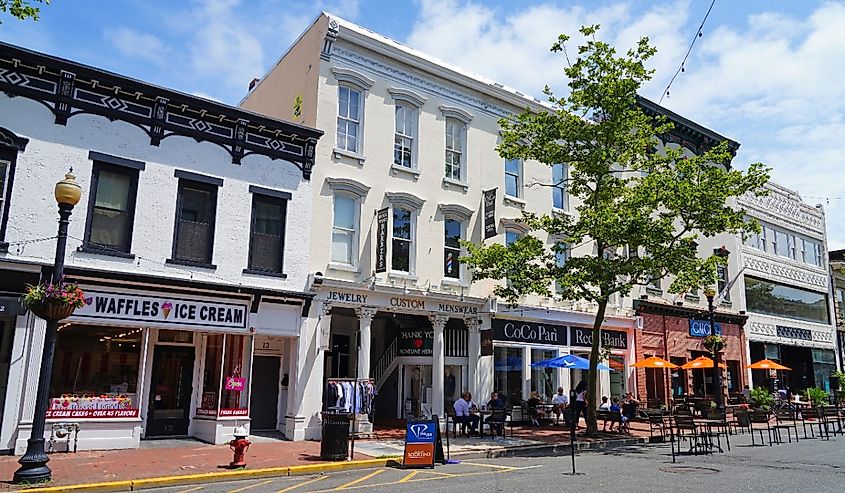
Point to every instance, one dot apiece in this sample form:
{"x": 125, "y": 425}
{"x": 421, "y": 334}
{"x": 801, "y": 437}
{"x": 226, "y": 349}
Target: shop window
{"x": 543, "y": 380}
{"x": 225, "y": 390}
{"x": 733, "y": 380}
{"x": 403, "y": 243}
{"x": 679, "y": 377}
{"x": 771, "y": 298}
{"x": 111, "y": 208}
{"x": 452, "y": 249}
{"x": 195, "y": 213}
{"x": 211, "y": 375}
{"x": 178, "y": 336}
{"x": 618, "y": 385}
{"x": 267, "y": 234}
{"x": 824, "y": 364}
{"x": 95, "y": 373}
{"x": 507, "y": 366}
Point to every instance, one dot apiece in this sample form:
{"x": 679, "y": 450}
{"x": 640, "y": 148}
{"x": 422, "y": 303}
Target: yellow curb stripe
{"x": 251, "y": 486}
{"x": 289, "y": 488}
{"x": 409, "y": 476}
{"x": 360, "y": 480}
{"x": 187, "y": 479}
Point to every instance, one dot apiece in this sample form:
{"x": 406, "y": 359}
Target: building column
{"x": 438, "y": 323}
{"x": 473, "y": 352}
{"x": 365, "y": 321}
{"x": 305, "y": 382}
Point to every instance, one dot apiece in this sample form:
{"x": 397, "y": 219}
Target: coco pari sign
{"x": 583, "y": 336}
{"x": 160, "y": 311}
{"x": 529, "y": 332}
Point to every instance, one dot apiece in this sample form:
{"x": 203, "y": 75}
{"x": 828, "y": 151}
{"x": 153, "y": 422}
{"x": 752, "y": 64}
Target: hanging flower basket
{"x": 54, "y": 301}
{"x": 714, "y": 343}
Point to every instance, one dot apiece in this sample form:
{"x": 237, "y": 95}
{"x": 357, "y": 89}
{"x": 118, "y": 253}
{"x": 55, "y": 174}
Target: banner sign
{"x": 91, "y": 413}
{"x": 489, "y": 213}
{"x": 162, "y": 310}
{"x": 423, "y": 444}
{"x": 381, "y": 240}
{"x": 530, "y": 332}
{"x": 415, "y": 342}
{"x": 486, "y": 342}
{"x": 701, "y": 328}
{"x": 583, "y": 336}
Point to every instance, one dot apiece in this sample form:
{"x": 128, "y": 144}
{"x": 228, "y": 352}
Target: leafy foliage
{"x": 22, "y": 9}
{"x": 641, "y": 205}
{"x": 714, "y": 343}
{"x": 761, "y": 398}
{"x": 62, "y": 292}
{"x": 816, "y": 396}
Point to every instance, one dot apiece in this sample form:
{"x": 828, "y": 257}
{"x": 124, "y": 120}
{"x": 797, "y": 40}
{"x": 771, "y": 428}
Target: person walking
{"x": 580, "y": 401}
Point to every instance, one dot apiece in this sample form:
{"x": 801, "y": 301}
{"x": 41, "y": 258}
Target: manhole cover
{"x": 688, "y": 470}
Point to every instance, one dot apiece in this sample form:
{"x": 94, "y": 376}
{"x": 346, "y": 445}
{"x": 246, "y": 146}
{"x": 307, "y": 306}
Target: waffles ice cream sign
{"x": 163, "y": 311}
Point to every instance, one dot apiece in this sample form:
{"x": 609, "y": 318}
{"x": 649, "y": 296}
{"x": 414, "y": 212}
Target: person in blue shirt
{"x": 614, "y": 408}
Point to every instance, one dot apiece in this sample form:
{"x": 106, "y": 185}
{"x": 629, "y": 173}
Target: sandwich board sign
{"x": 423, "y": 444}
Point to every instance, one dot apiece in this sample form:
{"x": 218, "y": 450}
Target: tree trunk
{"x": 592, "y": 384}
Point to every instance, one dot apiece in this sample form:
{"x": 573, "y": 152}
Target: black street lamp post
{"x": 34, "y": 467}
{"x": 710, "y": 293}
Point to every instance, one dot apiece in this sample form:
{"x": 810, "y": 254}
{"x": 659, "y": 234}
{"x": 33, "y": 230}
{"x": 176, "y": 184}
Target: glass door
{"x": 170, "y": 391}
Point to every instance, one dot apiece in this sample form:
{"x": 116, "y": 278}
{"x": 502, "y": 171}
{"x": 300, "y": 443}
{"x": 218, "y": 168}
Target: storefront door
{"x": 263, "y": 410}
{"x": 170, "y": 391}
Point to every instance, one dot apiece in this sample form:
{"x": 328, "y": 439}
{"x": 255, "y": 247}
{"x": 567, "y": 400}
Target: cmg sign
{"x": 701, "y": 328}
{"x": 530, "y": 332}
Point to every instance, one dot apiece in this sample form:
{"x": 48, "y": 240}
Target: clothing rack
{"x": 355, "y": 381}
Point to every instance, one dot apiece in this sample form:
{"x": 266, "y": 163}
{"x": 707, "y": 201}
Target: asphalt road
{"x": 815, "y": 466}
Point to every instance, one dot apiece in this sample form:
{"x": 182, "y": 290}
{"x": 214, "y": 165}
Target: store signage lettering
{"x": 347, "y": 297}
{"x": 10, "y": 307}
{"x": 583, "y": 336}
{"x": 165, "y": 310}
{"x": 381, "y": 240}
{"x": 415, "y": 343}
{"x": 701, "y": 328}
{"x": 92, "y": 413}
{"x": 233, "y": 412}
{"x": 531, "y": 332}
{"x": 236, "y": 384}
{"x": 489, "y": 213}
{"x": 407, "y": 303}
{"x": 462, "y": 309}
{"x": 486, "y": 343}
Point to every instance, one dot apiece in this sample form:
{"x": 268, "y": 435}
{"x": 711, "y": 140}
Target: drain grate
{"x": 688, "y": 470}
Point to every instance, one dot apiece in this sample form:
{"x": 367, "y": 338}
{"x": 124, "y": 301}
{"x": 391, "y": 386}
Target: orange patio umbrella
{"x": 654, "y": 362}
{"x": 700, "y": 363}
{"x": 767, "y": 364}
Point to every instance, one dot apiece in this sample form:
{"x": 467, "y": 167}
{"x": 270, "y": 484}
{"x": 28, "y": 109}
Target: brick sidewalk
{"x": 170, "y": 458}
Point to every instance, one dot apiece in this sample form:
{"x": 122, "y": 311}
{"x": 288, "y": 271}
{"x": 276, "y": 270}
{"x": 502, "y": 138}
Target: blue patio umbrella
{"x": 569, "y": 361}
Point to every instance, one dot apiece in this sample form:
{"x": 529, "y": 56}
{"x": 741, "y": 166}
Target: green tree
{"x": 640, "y": 205}
{"x": 22, "y": 9}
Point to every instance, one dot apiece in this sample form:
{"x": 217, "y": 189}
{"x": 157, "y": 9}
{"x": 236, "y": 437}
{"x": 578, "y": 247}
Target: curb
{"x": 160, "y": 482}
{"x": 532, "y": 450}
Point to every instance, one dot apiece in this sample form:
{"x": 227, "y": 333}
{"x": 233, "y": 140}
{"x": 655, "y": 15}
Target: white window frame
{"x": 459, "y": 250}
{"x": 356, "y": 81}
{"x": 357, "y": 191}
{"x": 519, "y": 179}
{"x": 412, "y": 204}
{"x": 566, "y": 254}
{"x": 412, "y": 104}
{"x": 560, "y": 186}
{"x": 515, "y": 231}
{"x": 356, "y": 231}
{"x": 411, "y": 119}
{"x": 463, "y": 119}
{"x": 348, "y": 119}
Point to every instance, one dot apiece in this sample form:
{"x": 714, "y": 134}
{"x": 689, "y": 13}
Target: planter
{"x": 52, "y": 310}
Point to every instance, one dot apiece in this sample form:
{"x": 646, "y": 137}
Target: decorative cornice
{"x": 405, "y": 199}
{"x": 403, "y": 77}
{"x": 348, "y": 185}
{"x": 456, "y": 113}
{"x": 9, "y": 139}
{"x": 328, "y": 42}
{"x": 780, "y": 271}
{"x": 779, "y": 207}
{"x": 793, "y": 334}
{"x": 687, "y": 133}
{"x": 509, "y": 223}
{"x": 353, "y": 77}
{"x": 642, "y": 306}
{"x": 407, "y": 96}
{"x": 455, "y": 211}
{"x": 68, "y": 89}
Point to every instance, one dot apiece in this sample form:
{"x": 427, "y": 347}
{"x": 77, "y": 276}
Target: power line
{"x": 684, "y": 61}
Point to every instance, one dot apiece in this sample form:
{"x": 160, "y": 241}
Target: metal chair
{"x": 686, "y": 429}
{"x": 832, "y": 419}
{"x": 741, "y": 420}
{"x": 655, "y": 423}
{"x": 718, "y": 429}
{"x": 760, "y": 418}
{"x": 814, "y": 416}
{"x": 784, "y": 420}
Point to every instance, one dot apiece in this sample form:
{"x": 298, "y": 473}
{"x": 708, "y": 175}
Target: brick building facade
{"x": 666, "y": 332}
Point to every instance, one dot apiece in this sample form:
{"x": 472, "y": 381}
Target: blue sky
{"x": 765, "y": 73}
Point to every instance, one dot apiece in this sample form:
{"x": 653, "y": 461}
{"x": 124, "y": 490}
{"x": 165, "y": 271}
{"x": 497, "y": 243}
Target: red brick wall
{"x": 650, "y": 342}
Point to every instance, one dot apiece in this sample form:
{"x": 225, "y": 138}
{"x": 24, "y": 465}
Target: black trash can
{"x": 335, "y": 443}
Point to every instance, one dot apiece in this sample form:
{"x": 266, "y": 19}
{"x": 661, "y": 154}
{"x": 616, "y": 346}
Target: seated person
{"x": 614, "y": 408}
{"x": 465, "y": 413}
{"x": 559, "y": 401}
{"x": 533, "y": 412}
{"x": 605, "y": 406}
{"x": 629, "y": 409}
{"x": 497, "y": 419}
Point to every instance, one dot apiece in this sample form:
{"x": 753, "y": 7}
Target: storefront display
{"x": 227, "y": 360}
{"x": 95, "y": 374}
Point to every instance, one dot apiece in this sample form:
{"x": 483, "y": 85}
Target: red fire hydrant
{"x": 239, "y": 446}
